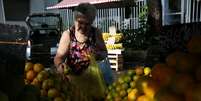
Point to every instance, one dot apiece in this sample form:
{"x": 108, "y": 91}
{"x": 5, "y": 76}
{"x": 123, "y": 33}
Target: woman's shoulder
{"x": 66, "y": 32}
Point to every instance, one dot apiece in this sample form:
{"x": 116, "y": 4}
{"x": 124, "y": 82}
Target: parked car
{"x": 44, "y": 31}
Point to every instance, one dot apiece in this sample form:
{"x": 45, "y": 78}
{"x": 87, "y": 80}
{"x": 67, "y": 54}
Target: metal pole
{"x": 193, "y": 11}
{"x": 197, "y": 11}
{"x": 182, "y": 11}
{"x": 3, "y": 12}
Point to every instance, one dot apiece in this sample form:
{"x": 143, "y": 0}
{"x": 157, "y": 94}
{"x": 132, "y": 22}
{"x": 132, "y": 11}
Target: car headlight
{"x": 28, "y": 50}
{"x": 53, "y": 50}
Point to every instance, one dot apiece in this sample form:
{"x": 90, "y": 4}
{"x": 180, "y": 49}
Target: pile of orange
{"x": 49, "y": 84}
{"x": 178, "y": 79}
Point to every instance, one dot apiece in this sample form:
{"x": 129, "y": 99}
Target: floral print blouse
{"x": 77, "y": 58}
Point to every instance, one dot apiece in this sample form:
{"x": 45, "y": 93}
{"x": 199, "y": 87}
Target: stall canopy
{"x": 98, "y": 3}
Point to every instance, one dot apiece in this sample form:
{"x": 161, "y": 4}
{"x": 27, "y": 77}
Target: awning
{"x": 73, "y": 3}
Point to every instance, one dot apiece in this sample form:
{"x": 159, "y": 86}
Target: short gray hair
{"x": 86, "y": 9}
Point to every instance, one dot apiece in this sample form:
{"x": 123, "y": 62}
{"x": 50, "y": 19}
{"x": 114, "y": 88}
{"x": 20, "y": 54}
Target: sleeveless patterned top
{"x": 77, "y": 58}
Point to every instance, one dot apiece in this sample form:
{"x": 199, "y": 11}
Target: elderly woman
{"x": 75, "y": 45}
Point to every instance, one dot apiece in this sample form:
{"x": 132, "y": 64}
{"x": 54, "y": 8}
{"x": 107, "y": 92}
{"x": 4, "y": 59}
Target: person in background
{"x": 76, "y": 44}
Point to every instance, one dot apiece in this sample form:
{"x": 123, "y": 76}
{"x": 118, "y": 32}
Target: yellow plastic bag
{"x": 90, "y": 84}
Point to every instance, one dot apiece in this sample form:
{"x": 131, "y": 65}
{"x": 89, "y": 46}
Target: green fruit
{"x": 114, "y": 84}
{"x": 131, "y": 72}
{"x": 147, "y": 71}
{"x": 125, "y": 86}
{"x": 110, "y": 87}
{"x": 118, "y": 88}
{"x": 28, "y": 66}
{"x": 127, "y": 79}
{"x": 121, "y": 80}
{"x": 129, "y": 89}
{"x": 136, "y": 77}
{"x": 132, "y": 84}
{"x": 48, "y": 83}
{"x": 117, "y": 98}
{"x": 3, "y": 97}
{"x": 114, "y": 94}
{"x": 122, "y": 93}
{"x": 66, "y": 70}
{"x": 125, "y": 98}
{"x": 52, "y": 93}
{"x": 109, "y": 97}
{"x": 58, "y": 99}
{"x": 42, "y": 75}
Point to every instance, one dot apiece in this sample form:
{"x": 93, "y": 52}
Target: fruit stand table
{"x": 116, "y": 58}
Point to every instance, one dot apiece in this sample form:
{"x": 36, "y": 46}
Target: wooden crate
{"x": 115, "y": 59}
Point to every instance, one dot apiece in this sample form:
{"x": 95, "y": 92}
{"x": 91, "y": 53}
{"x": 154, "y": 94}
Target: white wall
{"x": 37, "y": 6}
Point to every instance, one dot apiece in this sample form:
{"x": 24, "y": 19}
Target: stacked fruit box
{"x": 115, "y": 48}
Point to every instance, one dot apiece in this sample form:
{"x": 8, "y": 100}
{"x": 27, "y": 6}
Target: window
{"x": 172, "y": 12}
{"x": 16, "y": 10}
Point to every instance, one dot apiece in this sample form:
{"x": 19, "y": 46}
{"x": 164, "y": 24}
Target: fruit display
{"x": 50, "y": 84}
{"x": 128, "y": 86}
{"x": 114, "y": 46}
{"x": 113, "y": 41}
{"x": 176, "y": 79}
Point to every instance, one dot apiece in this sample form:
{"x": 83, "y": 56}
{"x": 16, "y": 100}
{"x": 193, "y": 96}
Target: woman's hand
{"x": 60, "y": 68}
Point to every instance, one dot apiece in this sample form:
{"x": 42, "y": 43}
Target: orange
{"x": 194, "y": 44}
{"x": 35, "y": 82}
{"x": 196, "y": 93}
{"x": 181, "y": 82}
{"x": 30, "y": 75}
{"x": 172, "y": 58}
{"x": 52, "y": 93}
{"x": 43, "y": 92}
{"x": 26, "y": 81}
{"x": 43, "y": 75}
{"x": 151, "y": 88}
{"x": 162, "y": 73}
{"x": 38, "y": 67}
{"x": 28, "y": 66}
{"x": 198, "y": 74}
{"x": 58, "y": 99}
{"x": 185, "y": 63}
{"x": 132, "y": 95}
{"x": 144, "y": 98}
{"x": 165, "y": 94}
{"x": 188, "y": 94}
{"x": 139, "y": 70}
{"x": 48, "y": 83}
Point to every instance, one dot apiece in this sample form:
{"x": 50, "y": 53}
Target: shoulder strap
{"x": 72, "y": 32}
{"x": 93, "y": 32}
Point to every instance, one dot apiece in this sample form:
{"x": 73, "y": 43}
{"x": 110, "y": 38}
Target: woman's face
{"x": 82, "y": 24}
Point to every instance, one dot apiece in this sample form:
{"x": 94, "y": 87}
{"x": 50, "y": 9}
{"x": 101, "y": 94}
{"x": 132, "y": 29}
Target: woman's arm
{"x": 62, "y": 49}
{"x": 101, "y": 51}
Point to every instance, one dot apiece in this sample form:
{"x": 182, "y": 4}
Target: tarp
{"x": 72, "y": 3}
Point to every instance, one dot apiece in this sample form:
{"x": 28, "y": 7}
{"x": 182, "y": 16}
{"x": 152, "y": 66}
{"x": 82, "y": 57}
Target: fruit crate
{"x": 116, "y": 59}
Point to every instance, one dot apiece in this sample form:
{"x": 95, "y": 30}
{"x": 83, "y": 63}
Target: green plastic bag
{"x": 90, "y": 84}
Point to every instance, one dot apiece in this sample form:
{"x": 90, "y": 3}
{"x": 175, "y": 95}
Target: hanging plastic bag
{"x": 106, "y": 71}
{"x": 90, "y": 83}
